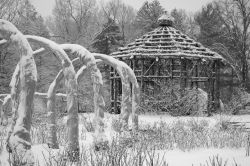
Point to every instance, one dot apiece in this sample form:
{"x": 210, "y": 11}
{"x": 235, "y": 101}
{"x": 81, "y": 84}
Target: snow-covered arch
{"x": 71, "y": 90}
{"x": 88, "y": 61}
{"x": 22, "y": 91}
{"x": 127, "y": 76}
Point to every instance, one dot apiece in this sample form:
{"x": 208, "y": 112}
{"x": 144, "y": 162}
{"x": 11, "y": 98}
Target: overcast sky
{"x": 44, "y": 7}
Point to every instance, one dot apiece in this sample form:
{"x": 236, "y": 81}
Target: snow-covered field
{"x": 173, "y": 157}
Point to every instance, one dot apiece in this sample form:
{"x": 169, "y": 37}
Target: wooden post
{"x": 197, "y": 75}
{"x": 142, "y": 75}
{"x": 191, "y": 75}
{"x": 183, "y": 75}
{"x": 112, "y": 88}
{"x": 231, "y": 84}
{"x": 172, "y": 77}
{"x": 172, "y": 68}
{"x": 210, "y": 105}
{"x": 159, "y": 74}
{"x": 131, "y": 64}
{"x": 115, "y": 93}
{"x": 217, "y": 85}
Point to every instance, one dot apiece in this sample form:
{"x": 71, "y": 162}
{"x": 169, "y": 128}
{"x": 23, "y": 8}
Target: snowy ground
{"x": 201, "y": 156}
{"x": 173, "y": 157}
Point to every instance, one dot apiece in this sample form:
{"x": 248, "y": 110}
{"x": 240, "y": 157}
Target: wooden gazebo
{"x": 167, "y": 54}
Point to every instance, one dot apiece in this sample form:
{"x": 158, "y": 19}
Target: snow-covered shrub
{"x": 171, "y": 99}
{"x": 89, "y": 125}
{"x": 223, "y": 123}
{"x": 197, "y": 126}
{"x": 238, "y": 101}
{"x": 218, "y": 161}
{"x": 117, "y": 125}
{"x": 192, "y": 134}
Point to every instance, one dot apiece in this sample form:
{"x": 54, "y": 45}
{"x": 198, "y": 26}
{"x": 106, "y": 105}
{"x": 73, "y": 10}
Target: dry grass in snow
{"x": 161, "y": 140}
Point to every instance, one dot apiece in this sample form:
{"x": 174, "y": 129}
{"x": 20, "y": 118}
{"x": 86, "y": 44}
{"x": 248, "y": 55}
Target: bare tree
{"x": 9, "y": 9}
{"x": 122, "y": 14}
{"x": 235, "y": 15}
{"x": 74, "y": 20}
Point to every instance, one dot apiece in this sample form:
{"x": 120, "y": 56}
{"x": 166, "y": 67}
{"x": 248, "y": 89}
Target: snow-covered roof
{"x": 166, "y": 41}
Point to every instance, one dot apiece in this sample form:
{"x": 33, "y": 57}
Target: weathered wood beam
{"x": 210, "y": 105}
{"x": 142, "y": 75}
{"x": 217, "y": 84}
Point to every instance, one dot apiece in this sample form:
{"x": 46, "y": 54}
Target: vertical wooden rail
{"x": 191, "y": 75}
{"x": 111, "y": 75}
{"x": 183, "y": 73}
{"x": 115, "y": 92}
{"x": 172, "y": 77}
{"x": 197, "y": 77}
{"x": 210, "y": 104}
{"x": 142, "y": 75}
{"x": 217, "y": 85}
{"x": 159, "y": 74}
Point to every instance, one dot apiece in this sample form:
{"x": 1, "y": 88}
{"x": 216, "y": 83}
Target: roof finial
{"x": 166, "y": 19}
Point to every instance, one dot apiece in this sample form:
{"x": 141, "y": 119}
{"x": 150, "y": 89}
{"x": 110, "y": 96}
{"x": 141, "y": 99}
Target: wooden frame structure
{"x": 167, "y": 54}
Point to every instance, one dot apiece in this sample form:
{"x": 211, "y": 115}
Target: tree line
{"x": 221, "y": 25}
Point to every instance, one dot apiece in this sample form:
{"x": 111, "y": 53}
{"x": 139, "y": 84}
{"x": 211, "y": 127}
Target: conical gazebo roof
{"x": 166, "y": 41}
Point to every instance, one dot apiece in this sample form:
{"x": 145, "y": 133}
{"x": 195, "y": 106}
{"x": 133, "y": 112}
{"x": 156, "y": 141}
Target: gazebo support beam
{"x": 183, "y": 75}
{"x": 217, "y": 84}
{"x": 211, "y": 104}
{"x": 142, "y": 75}
{"x": 115, "y": 93}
